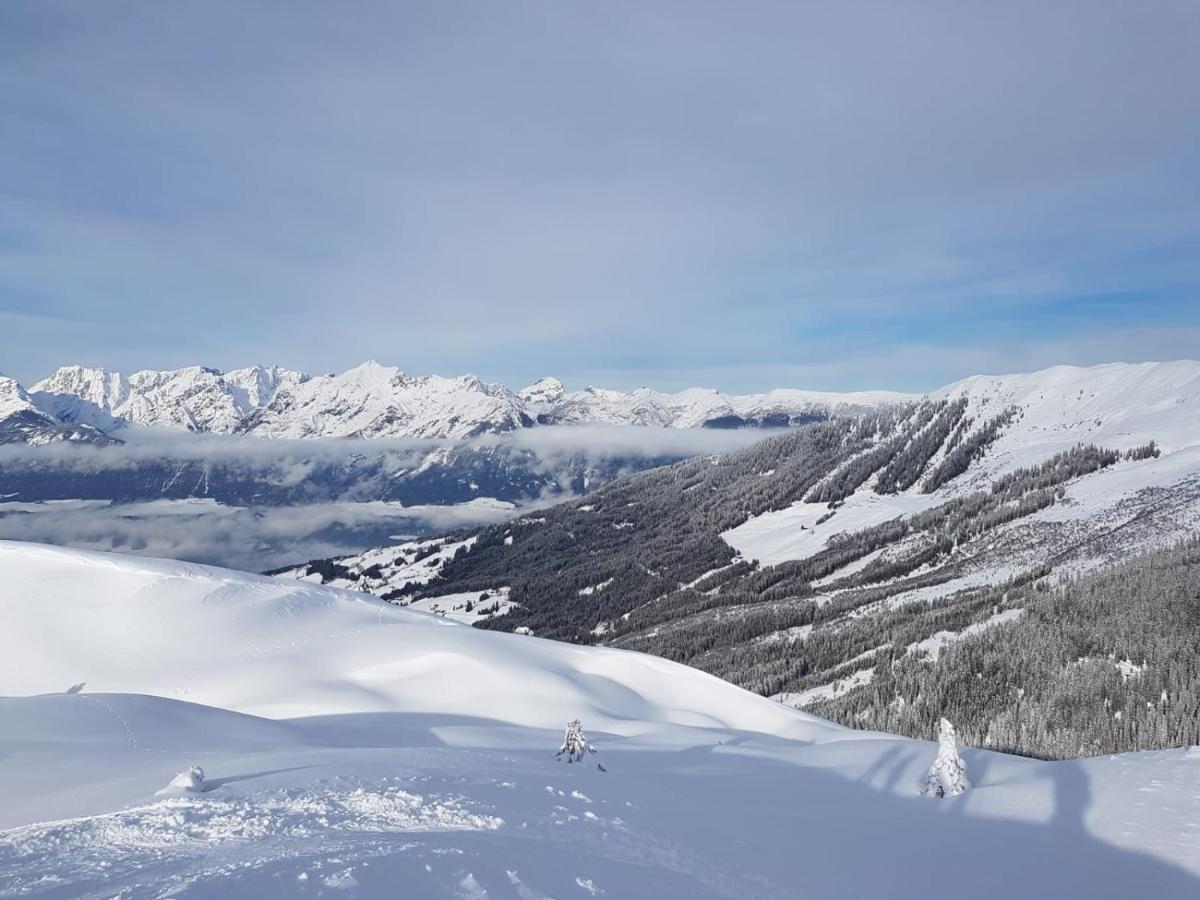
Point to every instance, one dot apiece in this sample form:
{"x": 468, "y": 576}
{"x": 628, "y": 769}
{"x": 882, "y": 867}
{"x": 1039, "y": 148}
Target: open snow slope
{"x": 1117, "y": 406}
{"x": 269, "y": 647}
{"x": 353, "y": 749}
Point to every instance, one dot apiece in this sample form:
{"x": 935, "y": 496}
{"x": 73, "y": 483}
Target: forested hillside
{"x": 1105, "y": 663}
{"x": 842, "y": 567}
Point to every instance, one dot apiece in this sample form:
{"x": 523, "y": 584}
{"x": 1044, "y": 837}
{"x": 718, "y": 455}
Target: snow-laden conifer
{"x": 575, "y": 745}
{"x": 948, "y": 774}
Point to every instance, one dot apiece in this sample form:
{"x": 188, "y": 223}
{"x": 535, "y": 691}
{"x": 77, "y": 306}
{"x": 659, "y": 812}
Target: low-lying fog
{"x": 257, "y": 504}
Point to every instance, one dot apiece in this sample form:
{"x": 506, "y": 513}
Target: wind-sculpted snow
{"x": 422, "y": 764}
{"x": 266, "y": 646}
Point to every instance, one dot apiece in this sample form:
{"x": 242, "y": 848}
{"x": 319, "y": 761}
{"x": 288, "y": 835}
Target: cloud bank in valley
{"x": 263, "y": 534}
{"x": 253, "y": 539}
{"x": 547, "y": 443}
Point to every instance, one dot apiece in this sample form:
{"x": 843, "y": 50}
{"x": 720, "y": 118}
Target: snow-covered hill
{"x": 374, "y": 401}
{"x": 1117, "y": 405}
{"x": 354, "y": 749}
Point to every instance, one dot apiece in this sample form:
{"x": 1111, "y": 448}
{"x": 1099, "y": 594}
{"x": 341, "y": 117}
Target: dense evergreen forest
{"x": 1105, "y": 663}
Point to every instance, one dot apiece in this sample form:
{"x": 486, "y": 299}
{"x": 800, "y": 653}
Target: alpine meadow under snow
{"x": 181, "y": 731}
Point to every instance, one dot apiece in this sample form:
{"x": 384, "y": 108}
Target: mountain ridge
{"x": 373, "y": 401}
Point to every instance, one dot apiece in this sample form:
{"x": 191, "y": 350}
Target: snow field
{"x": 353, "y": 749}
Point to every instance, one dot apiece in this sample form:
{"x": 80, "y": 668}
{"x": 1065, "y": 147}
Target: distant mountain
{"x": 706, "y": 408}
{"x": 374, "y": 401}
{"x": 22, "y": 422}
{"x": 872, "y": 567}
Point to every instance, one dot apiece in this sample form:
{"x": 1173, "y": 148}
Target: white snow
{"x": 359, "y": 749}
{"x": 931, "y": 647}
{"x": 13, "y": 398}
{"x": 454, "y": 606}
{"x": 693, "y": 407}
{"x": 801, "y": 699}
{"x": 794, "y": 532}
{"x": 1117, "y": 406}
{"x": 189, "y": 781}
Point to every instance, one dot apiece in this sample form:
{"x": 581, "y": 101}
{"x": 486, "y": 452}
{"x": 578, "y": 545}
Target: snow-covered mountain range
{"x": 350, "y": 748}
{"x": 374, "y": 401}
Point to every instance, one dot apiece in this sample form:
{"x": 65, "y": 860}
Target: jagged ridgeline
{"x": 643, "y": 564}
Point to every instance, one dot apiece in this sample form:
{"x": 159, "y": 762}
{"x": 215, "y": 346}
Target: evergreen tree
{"x": 948, "y": 774}
{"x": 575, "y": 745}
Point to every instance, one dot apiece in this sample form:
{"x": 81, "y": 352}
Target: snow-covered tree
{"x": 948, "y": 774}
{"x": 574, "y": 744}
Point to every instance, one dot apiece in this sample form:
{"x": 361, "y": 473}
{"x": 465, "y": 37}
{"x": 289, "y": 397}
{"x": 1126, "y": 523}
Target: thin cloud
{"x": 267, "y": 536}
{"x": 248, "y": 538}
{"x": 626, "y": 193}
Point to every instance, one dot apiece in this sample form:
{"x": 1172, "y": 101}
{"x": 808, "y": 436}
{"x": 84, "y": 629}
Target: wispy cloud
{"x": 548, "y": 443}
{"x": 248, "y": 538}
{"x": 624, "y": 192}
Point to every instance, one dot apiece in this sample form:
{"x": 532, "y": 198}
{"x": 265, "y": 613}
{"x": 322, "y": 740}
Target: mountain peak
{"x": 544, "y": 390}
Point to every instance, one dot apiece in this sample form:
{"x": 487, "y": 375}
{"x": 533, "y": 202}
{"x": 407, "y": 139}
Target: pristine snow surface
{"x": 354, "y": 749}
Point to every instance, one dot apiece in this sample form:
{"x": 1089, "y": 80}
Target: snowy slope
{"x": 265, "y": 646}
{"x": 424, "y": 764}
{"x": 1118, "y": 407}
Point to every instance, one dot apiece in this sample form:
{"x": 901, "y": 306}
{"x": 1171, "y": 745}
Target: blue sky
{"x": 733, "y": 195}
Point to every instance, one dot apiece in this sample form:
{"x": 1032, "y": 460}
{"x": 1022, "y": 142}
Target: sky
{"x": 742, "y": 196}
